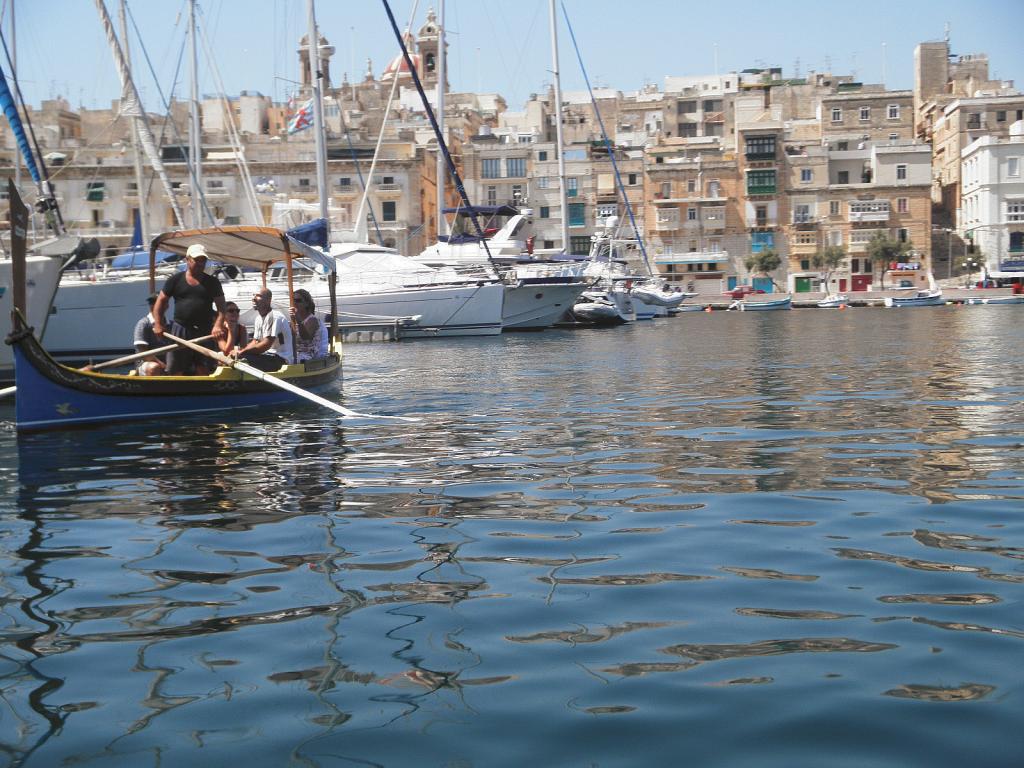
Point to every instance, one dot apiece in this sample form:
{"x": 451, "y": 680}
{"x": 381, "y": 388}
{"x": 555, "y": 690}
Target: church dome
{"x": 398, "y": 66}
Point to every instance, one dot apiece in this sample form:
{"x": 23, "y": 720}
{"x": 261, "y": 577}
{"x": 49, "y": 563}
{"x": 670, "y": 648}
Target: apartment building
{"x": 993, "y": 203}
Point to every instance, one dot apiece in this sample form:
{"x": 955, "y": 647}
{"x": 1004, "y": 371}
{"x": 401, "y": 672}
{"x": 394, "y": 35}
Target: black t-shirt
{"x": 193, "y": 304}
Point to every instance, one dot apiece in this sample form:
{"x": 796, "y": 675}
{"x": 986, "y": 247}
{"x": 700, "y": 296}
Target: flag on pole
{"x": 302, "y": 119}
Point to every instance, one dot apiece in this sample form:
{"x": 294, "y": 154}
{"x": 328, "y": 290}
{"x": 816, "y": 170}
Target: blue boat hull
{"x": 51, "y": 395}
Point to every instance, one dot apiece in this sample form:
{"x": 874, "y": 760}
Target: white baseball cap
{"x": 197, "y": 250}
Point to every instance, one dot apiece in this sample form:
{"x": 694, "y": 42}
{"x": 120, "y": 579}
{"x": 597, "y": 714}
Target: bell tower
{"x": 428, "y": 42}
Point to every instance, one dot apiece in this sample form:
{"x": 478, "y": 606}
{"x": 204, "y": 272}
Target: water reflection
{"x": 554, "y": 537}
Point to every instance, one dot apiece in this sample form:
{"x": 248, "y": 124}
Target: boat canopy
{"x": 243, "y": 246}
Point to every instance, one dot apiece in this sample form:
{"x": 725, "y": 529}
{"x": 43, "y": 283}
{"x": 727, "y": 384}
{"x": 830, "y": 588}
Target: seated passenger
{"x": 237, "y": 336}
{"x": 271, "y": 345}
{"x": 312, "y": 334}
{"x": 145, "y": 338}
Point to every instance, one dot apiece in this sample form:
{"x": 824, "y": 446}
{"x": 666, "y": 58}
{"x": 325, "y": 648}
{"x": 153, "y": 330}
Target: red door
{"x": 842, "y": 284}
{"x": 861, "y": 282}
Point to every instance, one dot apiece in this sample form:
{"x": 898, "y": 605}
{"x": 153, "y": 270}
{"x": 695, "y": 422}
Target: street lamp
{"x": 970, "y": 264}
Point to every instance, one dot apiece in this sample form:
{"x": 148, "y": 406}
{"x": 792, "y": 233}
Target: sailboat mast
{"x": 315, "y": 76}
{"x": 558, "y": 128}
{"x": 14, "y": 70}
{"x": 195, "y": 139}
{"x": 441, "y": 170}
{"x": 136, "y": 157}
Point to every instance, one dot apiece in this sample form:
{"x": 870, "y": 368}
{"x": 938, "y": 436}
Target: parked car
{"x": 742, "y": 290}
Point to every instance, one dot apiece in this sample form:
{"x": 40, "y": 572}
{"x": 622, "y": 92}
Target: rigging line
{"x": 380, "y": 140}
{"x": 607, "y": 143}
{"x": 170, "y": 119}
{"x": 233, "y": 133}
{"x": 452, "y": 170}
{"x": 359, "y": 173}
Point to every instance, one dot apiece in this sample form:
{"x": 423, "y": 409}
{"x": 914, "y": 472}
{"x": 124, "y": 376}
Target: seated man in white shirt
{"x": 271, "y": 345}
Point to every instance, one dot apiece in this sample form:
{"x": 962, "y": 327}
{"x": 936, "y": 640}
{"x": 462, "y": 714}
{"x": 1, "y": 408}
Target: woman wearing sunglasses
{"x": 237, "y": 335}
{"x": 311, "y": 341}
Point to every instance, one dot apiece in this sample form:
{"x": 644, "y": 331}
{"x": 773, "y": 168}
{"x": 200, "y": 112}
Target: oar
{"x": 279, "y": 383}
{"x": 140, "y": 355}
{"x": 8, "y": 391}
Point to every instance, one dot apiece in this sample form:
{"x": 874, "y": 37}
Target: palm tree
{"x": 827, "y": 260}
{"x": 763, "y": 263}
{"x": 883, "y": 250}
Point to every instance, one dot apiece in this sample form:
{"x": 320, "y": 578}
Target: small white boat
{"x": 659, "y": 295}
{"x": 598, "y": 308}
{"x": 834, "y": 300}
{"x": 997, "y": 301}
{"x": 763, "y": 306}
{"x": 927, "y": 298}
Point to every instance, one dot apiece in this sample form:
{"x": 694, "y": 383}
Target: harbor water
{"x": 722, "y": 539}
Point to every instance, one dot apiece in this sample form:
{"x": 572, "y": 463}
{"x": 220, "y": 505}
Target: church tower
{"x": 326, "y": 51}
{"x": 428, "y": 42}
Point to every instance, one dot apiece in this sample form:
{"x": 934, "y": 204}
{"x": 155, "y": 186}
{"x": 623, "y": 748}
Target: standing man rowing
{"x": 198, "y": 309}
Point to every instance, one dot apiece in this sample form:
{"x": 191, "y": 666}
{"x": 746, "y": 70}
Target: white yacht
{"x": 538, "y": 292}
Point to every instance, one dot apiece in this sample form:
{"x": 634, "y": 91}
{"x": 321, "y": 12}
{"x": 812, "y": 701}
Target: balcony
{"x": 389, "y": 188}
{"x": 217, "y": 193}
{"x": 873, "y": 211}
{"x": 761, "y": 189}
{"x": 667, "y": 223}
{"x": 670, "y": 255}
{"x": 714, "y": 219}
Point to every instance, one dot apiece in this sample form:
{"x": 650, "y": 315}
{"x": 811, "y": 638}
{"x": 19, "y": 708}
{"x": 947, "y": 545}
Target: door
{"x": 732, "y": 282}
{"x": 842, "y": 284}
{"x": 764, "y": 283}
{"x": 861, "y": 282}
{"x": 803, "y": 285}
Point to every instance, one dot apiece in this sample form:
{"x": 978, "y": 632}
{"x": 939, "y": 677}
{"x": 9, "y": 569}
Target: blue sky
{"x": 501, "y": 46}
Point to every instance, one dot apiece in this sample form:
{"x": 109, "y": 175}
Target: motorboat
{"x": 834, "y": 300}
{"x": 996, "y": 301}
{"x": 931, "y": 297}
{"x": 658, "y": 294}
{"x": 746, "y": 305}
{"x": 538, "y": 292}
{"x": 599, "y": 308}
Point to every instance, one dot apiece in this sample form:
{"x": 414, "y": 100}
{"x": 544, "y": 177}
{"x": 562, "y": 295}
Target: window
{"x": 490, "y": 168}
{"x": 632, "y": 180}
{"x": 571, "y": 186}
{"x": 901, "y": 172}
{"x": 894, "y": 137}
{"x": 761, "y": 182}
{"x": 691, "y": 185}
{"x": 549, "y": 244}
{"x": 492, "y": 195}
{"x": 542, "y": 155}
{"x": 842, "y": 146}
{"x": 214, "y": 184}
{"x": 577, "y": 214}
{"x": 855, "y": 265}
{"x": 345, "y": 182}
{"x": 609, "y": 209}
{"x": 806, "y": 175}
{"x": 666, "y": 190}
{"x": 387, "y": 210}
{"x": 902, "y": 205}
{"x": 802, "y": 213}
{"x": 303, "y": 182}
{"x": 843, "y": 177}
{"x": 893, "y": 112}
{"x": 516, "y": 167}
{"x": 760, "y": 147}
{"x": 713, "y": 188}
{"x": 95, "y": 191}
{"x": 760, "y": 241}
{"x": 833, "y": 207}
{"x": 1013, "y": 166}
{"x": 1001, "y": 116}
{"x": 902, "y": 235}
{"x": 1015, "y": 210}
{"x": 691, "y": 214}
{"x": 1016, "y": 242}
{"x": 686, "y": 107}
{"x": 579, "y": 245}
{"x": 517, "y": 192}
{"x": 542, "y": 182}
{"x": 805, "y": 264}
{"x": 761, "y": 215}
{"x": 806, "y": 238}
{"x": 545, "y": 212}
{"x": 835, "y": 237}
{"x": 865, "y": 114}
{"x": 837, "y": 115}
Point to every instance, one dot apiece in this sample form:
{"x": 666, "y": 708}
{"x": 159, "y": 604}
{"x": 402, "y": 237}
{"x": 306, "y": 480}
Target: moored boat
{"x": 599, "y": 308}
{"x": 996, "y": 301}
{"x": 762, "y": 306}
{"x": 931, "y": 297}
{"x": 52, "y": 395}
{"x": 834, "y": 301}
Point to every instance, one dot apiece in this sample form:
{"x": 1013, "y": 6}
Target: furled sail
{"x": 131, "y": 105}
{"x": 11, "y": 110}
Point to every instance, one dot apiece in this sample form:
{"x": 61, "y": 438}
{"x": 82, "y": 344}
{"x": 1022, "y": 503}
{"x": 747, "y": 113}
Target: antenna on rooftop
{"x": 883, "y": 64}
{"x": 796, "y": 68}
{"x": 947, "y": 33}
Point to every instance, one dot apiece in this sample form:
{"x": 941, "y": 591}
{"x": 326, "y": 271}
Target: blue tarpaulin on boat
{"x": 11, "y": 110}
{"x": 139, "y": 258}
{"x": 311, "y": 233}
{"x": 485, "y": 210}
